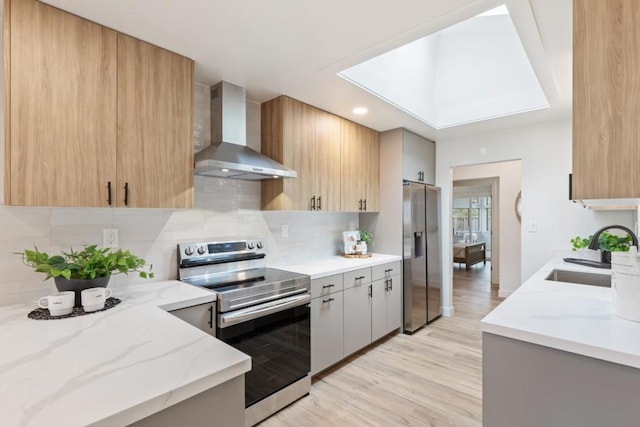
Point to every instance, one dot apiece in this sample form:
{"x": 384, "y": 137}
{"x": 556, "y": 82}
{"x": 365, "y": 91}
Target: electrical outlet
{"x": 285, "y": 230}
{"x": 533, "y": 226}
{"x": 110, "y": 238}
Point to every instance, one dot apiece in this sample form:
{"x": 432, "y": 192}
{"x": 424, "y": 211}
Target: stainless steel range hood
{"x": 228, "y": 155}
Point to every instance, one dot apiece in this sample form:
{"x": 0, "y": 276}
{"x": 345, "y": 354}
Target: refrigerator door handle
{"x": 418, "y": 245}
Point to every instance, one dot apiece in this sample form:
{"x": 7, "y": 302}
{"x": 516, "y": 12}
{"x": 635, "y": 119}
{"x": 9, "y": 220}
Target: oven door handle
{"x": 262, "y": 310}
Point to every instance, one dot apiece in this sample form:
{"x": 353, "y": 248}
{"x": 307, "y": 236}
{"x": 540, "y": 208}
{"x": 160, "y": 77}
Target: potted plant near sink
{"x": 87, "y": 268}
{"x": 607, "y": 243}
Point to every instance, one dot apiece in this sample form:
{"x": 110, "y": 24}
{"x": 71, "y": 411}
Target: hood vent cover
{"x": 228, "y": 155}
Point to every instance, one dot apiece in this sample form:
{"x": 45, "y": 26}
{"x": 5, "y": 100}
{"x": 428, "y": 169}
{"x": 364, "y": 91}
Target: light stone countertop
{"x": 569, "y": 317}
{"x": 109, "y": 368}
{"x": 337, "y": 264}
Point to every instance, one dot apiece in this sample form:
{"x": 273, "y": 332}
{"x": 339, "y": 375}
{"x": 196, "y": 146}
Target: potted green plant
{"x": 366, "y": 240}
{"x": 87, "y": 268}
{"x": 607, "y": 243}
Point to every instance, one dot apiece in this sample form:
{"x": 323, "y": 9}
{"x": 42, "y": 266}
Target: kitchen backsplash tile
{"x": 224, "y": 209}
{"x": 154, "y": 234}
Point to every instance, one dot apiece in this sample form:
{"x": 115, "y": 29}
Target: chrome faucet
{"x": 594, "y": 241}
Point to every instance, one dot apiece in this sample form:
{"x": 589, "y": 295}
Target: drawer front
{"x": 326, "y": 285}
{"x": 357, "y": 277}
{"x": 385, "y": 271}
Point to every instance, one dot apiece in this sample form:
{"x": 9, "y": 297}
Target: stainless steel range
{"x": 263, "y": 312}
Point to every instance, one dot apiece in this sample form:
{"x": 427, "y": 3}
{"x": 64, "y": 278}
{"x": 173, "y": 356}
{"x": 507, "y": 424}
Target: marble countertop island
{"x": 570, "y": 317}
{"x": 109, "y": 368}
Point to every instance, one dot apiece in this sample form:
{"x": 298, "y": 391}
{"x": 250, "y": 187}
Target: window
{"x": 471, "y": 218}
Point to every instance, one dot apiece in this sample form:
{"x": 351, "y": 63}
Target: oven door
{"x": 277, "y": 337}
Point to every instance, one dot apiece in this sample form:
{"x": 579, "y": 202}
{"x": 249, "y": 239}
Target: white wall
{"x": 508, "y": 260}
{"x": 224, "y": 209}
{"x": 545, "y": 151}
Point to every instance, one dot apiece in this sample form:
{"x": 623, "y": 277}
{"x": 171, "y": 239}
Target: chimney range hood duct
{"x": 228, "y": 155}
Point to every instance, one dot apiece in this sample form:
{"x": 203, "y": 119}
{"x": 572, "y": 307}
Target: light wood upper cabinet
{"x": 287, "y": 137}
{"x": 327, "y": 161}
{"x": 337, "y": 160}
{"x": 606, "y": 89}
{"x": 60, "y": 107}
{"x": 306, "y": 140}
{"x": 360, "y": 168}
{"x": 155, "y": 126}
{"x": 88, "y": 110}
{"x": 353, "y": 179}
{"x": 372, "y": 170}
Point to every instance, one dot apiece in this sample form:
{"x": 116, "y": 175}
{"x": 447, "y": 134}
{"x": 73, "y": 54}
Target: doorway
{"x": 489, "y": 191}
{"x": 474, "y": 223}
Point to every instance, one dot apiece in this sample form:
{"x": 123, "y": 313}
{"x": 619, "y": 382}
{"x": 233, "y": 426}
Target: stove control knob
{"x": 251, "y": 245}
{"x": 202, "y": 250}
{"x": 260, "y": 245}
{"x": 188, "y": 250}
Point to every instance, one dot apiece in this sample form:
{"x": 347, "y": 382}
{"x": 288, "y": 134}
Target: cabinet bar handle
{"x": 328, "y": 286}
{"x": 359, "y": 277}
{"x": 211, "y": 317}
{"x": 388, "y": 270}
{"x": 109, "y": 193}
{"x": 371, "y": 291}
{"x": 313, "y": 203}
{"x": 126, "y": 193}
{"x": 386, "y": 285}
{"x": 360, "y": 208}
{"x": 328, "y": 300}
{"x": 319, "y": 203}
{"x": 390, "y": 284}
{"x": 365, "y": 204}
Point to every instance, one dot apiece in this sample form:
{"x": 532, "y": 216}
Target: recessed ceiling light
{"x": 276, "y": 176}
{"x": 360, "y": 110}
{"x": 225, "y": 170}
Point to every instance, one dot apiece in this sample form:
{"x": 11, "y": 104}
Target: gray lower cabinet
{"x": 326, "y": 331}
{"x": 221, "y": 406}
{"x": 529, "y": 385}
{"x": 357, "y": 318}
{"x": 349, "y": 312}
{"x": 379, "y": 309}
{"x": 201, "y": 316}
{"x": 394, "y": 303}
{"x": 386, "y": 313}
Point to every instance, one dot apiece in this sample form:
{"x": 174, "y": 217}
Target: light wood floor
{"x": 430, "y": 378}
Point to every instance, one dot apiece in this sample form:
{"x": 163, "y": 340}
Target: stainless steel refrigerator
{"x": 422, "y": 281}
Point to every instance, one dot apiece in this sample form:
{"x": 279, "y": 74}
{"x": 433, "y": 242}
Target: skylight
{"x": 474, "y": 70}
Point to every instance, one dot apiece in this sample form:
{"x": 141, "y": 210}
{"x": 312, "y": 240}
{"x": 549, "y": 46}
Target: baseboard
{"x": 447, "y": 311}
{"x": 504, "y": 294}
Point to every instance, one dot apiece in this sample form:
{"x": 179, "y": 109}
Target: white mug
{"x": 59, "y": 304}
{"x": 93, "y": 298}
